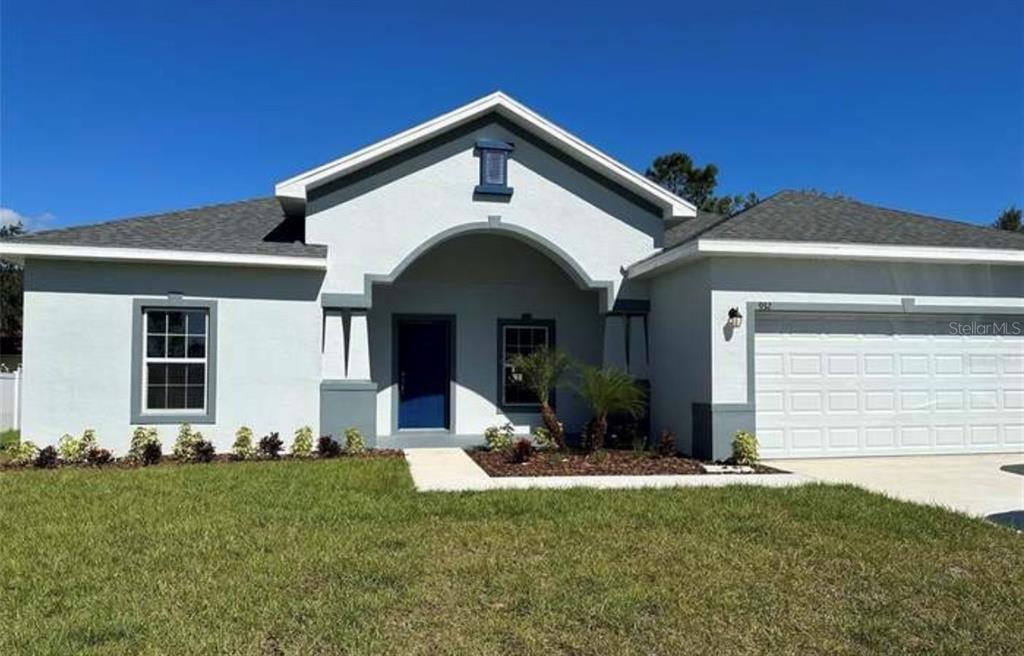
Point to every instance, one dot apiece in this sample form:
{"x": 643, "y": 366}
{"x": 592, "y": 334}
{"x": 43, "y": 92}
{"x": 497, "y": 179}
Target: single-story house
{"x": 387, "y": 289}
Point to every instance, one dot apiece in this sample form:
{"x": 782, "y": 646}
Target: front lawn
{"x": 342, "y": 556}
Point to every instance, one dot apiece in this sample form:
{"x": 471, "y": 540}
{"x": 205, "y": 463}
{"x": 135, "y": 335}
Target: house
{"x": 387, "y": 289}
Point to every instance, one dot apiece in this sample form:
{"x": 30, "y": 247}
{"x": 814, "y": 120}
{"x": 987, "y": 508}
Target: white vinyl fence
{"x": 10, "y": 399}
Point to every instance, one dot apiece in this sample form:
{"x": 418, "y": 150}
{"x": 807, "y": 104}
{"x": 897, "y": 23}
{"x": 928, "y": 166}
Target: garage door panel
{"x": 881, "y": 391}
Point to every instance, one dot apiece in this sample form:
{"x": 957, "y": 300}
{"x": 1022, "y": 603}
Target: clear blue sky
{"x": 114, "y": 109}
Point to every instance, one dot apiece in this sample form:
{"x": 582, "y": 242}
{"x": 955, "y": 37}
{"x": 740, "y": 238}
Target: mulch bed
{"x": 171, "y": 461}
{"x": 606, "y": 463}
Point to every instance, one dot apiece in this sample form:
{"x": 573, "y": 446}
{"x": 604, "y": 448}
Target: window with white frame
{"x": 520, "y": 338}
{"x": 175, "y": 359}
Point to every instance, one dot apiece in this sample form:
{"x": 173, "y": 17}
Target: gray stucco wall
{"x": 680, "y": 349}
{"x": 78, "y": 347}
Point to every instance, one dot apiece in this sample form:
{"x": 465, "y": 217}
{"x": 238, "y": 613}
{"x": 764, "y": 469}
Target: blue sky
{"x": 117, "y": 109}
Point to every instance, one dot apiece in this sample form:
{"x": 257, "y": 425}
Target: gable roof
{"x": 795, "y": 216}
{"x": 256, "y": 227}
{"x": 293, "y": 192}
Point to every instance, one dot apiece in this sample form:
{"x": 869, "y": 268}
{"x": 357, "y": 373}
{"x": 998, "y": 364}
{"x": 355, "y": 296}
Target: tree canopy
{"x": 678, "y": 173}
{"x": 1009, "y": 219}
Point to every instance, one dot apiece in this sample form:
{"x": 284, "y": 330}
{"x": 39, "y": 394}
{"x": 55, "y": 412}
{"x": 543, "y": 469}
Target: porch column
{"x": 626, "y": 343}
{"x": 333, "y": 350}
{"x": 357, "y": 347}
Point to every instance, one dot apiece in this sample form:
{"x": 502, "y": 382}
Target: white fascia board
{"x": 823, "y": 250}
{"x": 21, "y": 251}
{"x": 673, "y": 206}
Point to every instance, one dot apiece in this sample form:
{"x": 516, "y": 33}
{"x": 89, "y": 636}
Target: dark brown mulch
{"x": 171, "y": 461}
{"x": 606, "y": 463}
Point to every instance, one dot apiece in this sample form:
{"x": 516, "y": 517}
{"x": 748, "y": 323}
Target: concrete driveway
{"x": 978, "y": 485}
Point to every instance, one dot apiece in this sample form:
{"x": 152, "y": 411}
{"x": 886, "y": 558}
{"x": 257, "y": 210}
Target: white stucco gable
{"x": 377, "y": 214}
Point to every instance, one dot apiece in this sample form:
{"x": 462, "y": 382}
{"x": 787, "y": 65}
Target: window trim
{"x": 549, "y": 324}
{"x": 503, "y": 149}
{"x": 139, "y": 413}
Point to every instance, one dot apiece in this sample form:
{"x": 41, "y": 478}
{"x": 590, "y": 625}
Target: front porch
{"x": 425, "y": 364}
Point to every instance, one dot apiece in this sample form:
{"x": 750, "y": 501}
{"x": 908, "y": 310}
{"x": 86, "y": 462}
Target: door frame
{"x": 396, "y": 320}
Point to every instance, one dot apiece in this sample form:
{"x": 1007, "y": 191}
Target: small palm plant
{"x": 608, "y": 391}
{"x": 541, "y": 371}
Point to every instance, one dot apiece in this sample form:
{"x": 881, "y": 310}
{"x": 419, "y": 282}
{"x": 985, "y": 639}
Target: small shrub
{"x": 46, "y": 458}
{"x": 544, "y": 438}
{"x": 23, "y": 453}
{"x": 242, "y": 449}
{"x": 98, "y": 457}
{"x": 599, "y": 457}
{"x": 499, "y": 438}
{"x": 522, "y": 450}
{"x": 270, "y": 446}
{"x": 185, "y": 445}
{"x": 203, "y": 451}
{"x": 302, "y": 446}
{"x": 744, "y": 448}
{"x": 667, "y": 443}
{"x": 151, "y": 454}
{"x": 72, "y": 450}
{"x": 328, "y": 447}
{"x": 354, "y": 442}
{"x": 142, "y": 439}
{"x": 639, "y": 443}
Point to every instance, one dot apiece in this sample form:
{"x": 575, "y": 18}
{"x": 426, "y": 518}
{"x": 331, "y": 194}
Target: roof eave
{"x": 700, "y": 248}
{"x": 20, "y": 251}
{"x": 292, "y": 192}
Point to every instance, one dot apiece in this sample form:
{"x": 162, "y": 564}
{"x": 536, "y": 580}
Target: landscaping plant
{"x": 499, "y": 438}
{"x": 544, "y": 439}
{"x": 46, "y": 458}
{"x": 522, "y": 451}
{"x": 145, "y": 446}
{"x": 203, "y": 451}
{"x": 667, "y": 443}
{"x": 608, "y": 390}
{"x": 72, "y": 450}
{"x": 185, "y": 445}
{"x": 22, "y": 453}
{"x": 242, "y": 449}
{"x": 354, "y": 442}
{"x": 270, "y": 446}
{"x": 97, "y": 457}
{"x": 542, "y": 370}
{"x": 744, "y": 448}
{"x": 302, "y": 446}
{"x": 328, "y": 447}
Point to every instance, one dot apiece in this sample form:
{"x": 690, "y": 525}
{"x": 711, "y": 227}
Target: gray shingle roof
{"x": 250, "y": 227}
{"x": 797, "y": 216}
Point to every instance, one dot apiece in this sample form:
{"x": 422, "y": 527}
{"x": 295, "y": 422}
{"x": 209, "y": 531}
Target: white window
{"x": 175, "y": 361}
{"x": 520, "y": 338}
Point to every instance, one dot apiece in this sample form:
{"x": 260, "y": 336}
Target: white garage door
{"x": 830, "y": 385}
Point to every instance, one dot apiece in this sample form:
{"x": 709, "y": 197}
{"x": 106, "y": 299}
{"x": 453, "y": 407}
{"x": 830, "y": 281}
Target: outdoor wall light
{"x": 735, "y": 318}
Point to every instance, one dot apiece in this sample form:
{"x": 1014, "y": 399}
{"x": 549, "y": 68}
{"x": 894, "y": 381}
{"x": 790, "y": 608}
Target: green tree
{"x": 541, "y": 371}
{"x": 678, "y": 173}
{"x": 11, "y": 295}
{"x": 608, "y": 391}
{"x": 1009, "y": 219}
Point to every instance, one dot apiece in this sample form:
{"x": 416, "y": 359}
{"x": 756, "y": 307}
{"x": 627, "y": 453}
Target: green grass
{"x": 344, "y": 557}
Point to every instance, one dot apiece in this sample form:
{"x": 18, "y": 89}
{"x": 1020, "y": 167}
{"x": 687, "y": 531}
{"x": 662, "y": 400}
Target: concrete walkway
{"x": 452, "y": 470}
{"x": 977, "y": 485}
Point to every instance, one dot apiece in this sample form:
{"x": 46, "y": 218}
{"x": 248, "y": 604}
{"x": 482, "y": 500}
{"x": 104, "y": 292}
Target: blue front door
{"x": 424, "y": 372}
